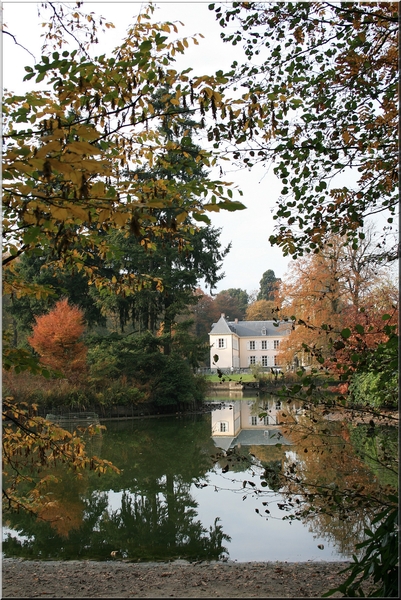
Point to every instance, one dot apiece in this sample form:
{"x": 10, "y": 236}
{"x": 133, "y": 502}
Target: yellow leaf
{"x": 25, "y": 189}
{"x": 98, "y": 189}
{"x": 79, "y": 212}
{"x": 181, "y": 217}
{"x": 155, "y": 203}
{"x": 94, "y": 166}
{"x": 88, "y": 133}
{"x": 103, "y": 215}
{"x": 46, "y": 148}
{"x": 212, "y": 207}
{"x": 75, "y": 177}
{"x": 346, "y": 136}
{"x": 120, "y": 218}
{"x": 83, "y": 148}
{"x": 22, "y": 167}
{"x": 59, "y": 213}
{"x": 61, "y": 167}
{"x": 37, "y": 163}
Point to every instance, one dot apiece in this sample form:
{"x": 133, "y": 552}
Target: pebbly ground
{"x": 179, "y": 579}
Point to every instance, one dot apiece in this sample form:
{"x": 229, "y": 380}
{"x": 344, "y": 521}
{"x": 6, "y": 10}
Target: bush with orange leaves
{"x": 56, "y": 336}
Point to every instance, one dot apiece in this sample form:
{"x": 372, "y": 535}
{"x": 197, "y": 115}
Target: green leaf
{"x": 145, "y": 46}
{"x": 201, "y": 217}
{"x": 232, "y": 206}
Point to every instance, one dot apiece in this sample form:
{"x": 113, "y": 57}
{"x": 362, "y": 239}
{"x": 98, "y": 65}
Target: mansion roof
{"x": 250, "y": 328}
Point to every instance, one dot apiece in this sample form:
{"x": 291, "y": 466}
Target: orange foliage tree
{"x": 325, "y": 293}
{"x": 261, "y": 310}
{"x": 312, "y": 295}
{"x": 56, "y": 336}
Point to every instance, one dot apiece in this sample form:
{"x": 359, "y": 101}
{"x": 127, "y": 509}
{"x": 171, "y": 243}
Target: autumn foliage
{"x": 56, "y": 339}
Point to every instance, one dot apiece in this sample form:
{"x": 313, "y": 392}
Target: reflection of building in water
{"x": 247, "y": 423}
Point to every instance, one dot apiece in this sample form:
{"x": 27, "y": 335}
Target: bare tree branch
{"x": 18, "y": 44}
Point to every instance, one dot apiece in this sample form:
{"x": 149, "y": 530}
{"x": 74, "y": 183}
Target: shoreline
{"x": 179, "y": 579}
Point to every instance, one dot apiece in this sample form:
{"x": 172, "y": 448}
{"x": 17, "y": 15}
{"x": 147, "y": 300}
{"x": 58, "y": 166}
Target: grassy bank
{"x": 234, "y": 377}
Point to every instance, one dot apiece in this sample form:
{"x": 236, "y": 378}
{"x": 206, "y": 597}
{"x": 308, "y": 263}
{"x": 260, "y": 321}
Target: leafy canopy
{"x": 70, "y": 147}
{"x": 321, "y": 103}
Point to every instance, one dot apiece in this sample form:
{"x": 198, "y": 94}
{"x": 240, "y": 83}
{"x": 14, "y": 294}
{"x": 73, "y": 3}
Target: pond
{"x": 206, "y": 487}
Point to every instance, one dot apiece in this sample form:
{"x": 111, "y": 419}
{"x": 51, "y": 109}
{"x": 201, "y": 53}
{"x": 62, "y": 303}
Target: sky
{"x": 248, "y": 231}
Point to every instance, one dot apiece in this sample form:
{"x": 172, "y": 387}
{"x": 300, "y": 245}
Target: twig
{"x": 18, "y": 44}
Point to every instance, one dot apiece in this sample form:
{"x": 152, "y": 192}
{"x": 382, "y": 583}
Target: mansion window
{"x": 252, "y": 360}
{"x": 275, "y": 360}
{"x": 264, "y": 344}
{"x": 253, "y": 420}
{"x": 264, "y": 361}
{"x": 276, "y": 344}
{"x": 223, "y": 426}
{"x": 222, "y": 343}
{"x": 252, "y": 345}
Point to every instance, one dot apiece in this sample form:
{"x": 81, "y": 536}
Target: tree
{"x": 326, "y": 292}
{"x": 28, "y": 442}
{"x": 179, "y": 268}
{"x": 261, "y": 310}
{"x": 68, "y": 152}
{"x": 314, "y": 297}
{"x": 51, "y": 283}
{"x": 227, "y": 304}
{"x": 204, "y": 313}
{"x": 56, "y": 336}
{"x": 67, "y": 149}
{"x": 241, "y": 295}
{"x": 268, "y": 286}
{"x": 321, "y": 99}
{"x": 321, "y": 102}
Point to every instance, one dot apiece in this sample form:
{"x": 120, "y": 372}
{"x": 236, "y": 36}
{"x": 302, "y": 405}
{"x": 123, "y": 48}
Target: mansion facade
{"x": 240, "y": 344}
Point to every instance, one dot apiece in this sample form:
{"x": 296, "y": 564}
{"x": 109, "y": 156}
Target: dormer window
{"x": 263, "y": 330}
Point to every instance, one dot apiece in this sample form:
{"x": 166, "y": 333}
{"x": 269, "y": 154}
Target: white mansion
{"x": 239, "y": 344}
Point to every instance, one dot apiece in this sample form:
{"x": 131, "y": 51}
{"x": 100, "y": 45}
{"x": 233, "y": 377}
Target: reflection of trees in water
{"x": 344, "y": 531}
{"x": 162, "y": 528}
{"x": 157, "y": 517}
{"x": 330, "y": 476}
{"x": 378, "y": 447}
{"x": 337, "y": 489}
{"x": 153, "y": 527}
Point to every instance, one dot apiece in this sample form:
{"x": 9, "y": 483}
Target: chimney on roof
{"x": 236, "y": 321}
{"x": 223, "y": 315}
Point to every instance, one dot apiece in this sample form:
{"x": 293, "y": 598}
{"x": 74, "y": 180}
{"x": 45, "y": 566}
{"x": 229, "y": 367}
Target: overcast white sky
{"x": 249, "y": 230}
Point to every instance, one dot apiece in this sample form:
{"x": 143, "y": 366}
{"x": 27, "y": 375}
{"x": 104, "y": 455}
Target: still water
{"x": 201, "y": 487}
